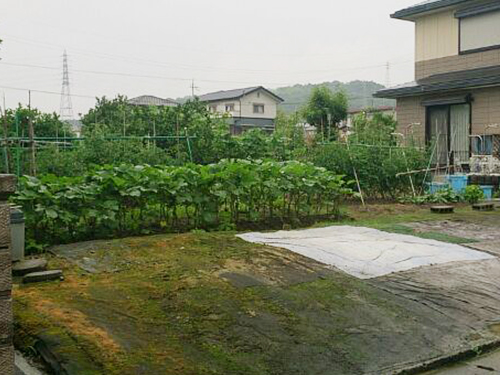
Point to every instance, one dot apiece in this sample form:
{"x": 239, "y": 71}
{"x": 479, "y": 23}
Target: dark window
{"x": 258, "y": 108}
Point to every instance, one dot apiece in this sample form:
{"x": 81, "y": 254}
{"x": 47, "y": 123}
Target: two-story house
{"x": 248, "y": 108}
{"x": 455, "y": 98}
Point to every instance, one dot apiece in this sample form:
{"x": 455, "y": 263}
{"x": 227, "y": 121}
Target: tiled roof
{"x": 424, "y": 7}
{"x": 152, "y": 100}
{"x": 234, "y": 94}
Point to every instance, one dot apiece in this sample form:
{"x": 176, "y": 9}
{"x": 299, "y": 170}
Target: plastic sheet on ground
{"x": 365, "y": 252}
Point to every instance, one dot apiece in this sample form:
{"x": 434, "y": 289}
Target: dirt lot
{"x": 210, "y": 303}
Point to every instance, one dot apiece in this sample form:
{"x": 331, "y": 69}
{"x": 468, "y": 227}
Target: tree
{"x": 325, "y": 110}
{"x": 375, "y": 129}
{"x": 45, "y": 124}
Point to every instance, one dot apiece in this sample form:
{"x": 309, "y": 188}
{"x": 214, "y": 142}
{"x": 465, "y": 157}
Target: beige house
{"x": 248, "y": 108}
{"x": 455, "y": 98}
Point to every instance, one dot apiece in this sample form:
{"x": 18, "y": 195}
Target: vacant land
{"x": 210, "y": 303}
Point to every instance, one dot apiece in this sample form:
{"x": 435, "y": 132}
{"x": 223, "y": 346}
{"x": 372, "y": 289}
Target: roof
{"x": 426, "y": 6}
{"x": 235, "y": 94}
{"x": 464, "y": 79}
{"x": 76, "y": 125}
{"x": 152, "y": 100}
{"x": 372, "y": 109}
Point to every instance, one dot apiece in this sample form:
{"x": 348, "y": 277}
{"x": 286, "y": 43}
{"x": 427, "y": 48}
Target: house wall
{"x": 258, "y": 97}
{"x": 456, "y": 63}
{"x": 247, "y": 102}
{"x": 221, "y": 106}
{"x": 436, "y": 36}
{"x": 411, "y": 117}
{"x": 437, "y": 47}
{"x": 485, "y": 112}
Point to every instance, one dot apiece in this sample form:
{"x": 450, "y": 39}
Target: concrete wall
{"x": 485, "y": 112}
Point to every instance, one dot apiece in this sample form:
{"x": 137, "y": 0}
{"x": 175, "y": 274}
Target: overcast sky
{"x": 158, "y": 46}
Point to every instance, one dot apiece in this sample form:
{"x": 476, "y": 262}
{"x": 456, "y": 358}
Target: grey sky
{"x": 157, "y": 46}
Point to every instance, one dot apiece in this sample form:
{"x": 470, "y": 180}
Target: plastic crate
{"x": 458, "y": 182}
{"x": 487, "y": 191}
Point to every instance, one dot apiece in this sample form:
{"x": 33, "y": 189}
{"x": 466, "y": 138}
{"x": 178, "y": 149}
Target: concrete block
{"x": 29, "y": 266}
{"x": 36, "y": 277}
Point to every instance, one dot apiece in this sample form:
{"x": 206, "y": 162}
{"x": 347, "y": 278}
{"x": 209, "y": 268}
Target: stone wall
{"x": 7, "y": 187}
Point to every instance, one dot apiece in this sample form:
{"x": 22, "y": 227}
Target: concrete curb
{"x": 439, "y": 362}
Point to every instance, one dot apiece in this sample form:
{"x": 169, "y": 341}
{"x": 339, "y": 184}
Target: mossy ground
{"x": 210, "y": 303}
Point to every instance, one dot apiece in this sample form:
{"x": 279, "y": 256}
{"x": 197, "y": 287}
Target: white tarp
{"x": 365, "y": 252}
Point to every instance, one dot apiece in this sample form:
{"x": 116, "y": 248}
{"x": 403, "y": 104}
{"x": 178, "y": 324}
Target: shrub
{"x": 441, "y": 196}
{"x": 128, "y": 199}
{"x": 473, "y": 194}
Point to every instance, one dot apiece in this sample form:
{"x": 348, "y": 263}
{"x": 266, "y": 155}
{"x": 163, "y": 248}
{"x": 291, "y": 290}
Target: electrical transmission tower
{"x": 66, "y": 110}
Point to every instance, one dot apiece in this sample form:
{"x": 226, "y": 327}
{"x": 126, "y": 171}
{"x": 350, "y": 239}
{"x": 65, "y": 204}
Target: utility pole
{"x": 31, "y": 135}
{"x": 387, "y": 76}
{"x": 193, "y": 89}
{"x": 66, "y": 109}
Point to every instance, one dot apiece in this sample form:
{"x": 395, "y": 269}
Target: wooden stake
{"x": 31, "y": 134}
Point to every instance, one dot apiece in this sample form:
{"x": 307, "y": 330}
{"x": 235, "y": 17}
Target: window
{"x": 479, "y": 31}
{"x": 213, "y": 108}
{"x": 258, "y": 108}
{"x": 448, "y": 130}
{"x": 482, "y": 145}
{"x": 230, "y": 107}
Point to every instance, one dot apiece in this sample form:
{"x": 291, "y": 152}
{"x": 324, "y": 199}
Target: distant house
{"x": 455, "y": 98}
{"x": 248, "y": 108}
{"x": 150, "y": 100}
{"x": 76, "y": 126}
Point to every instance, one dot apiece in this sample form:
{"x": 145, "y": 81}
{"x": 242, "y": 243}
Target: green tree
{"x": 375, "y": 129}
{"x": 45, "y": 124}
{"x": 325, "y": 110}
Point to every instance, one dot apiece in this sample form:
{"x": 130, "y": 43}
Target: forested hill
{"x": 359, "y": 92}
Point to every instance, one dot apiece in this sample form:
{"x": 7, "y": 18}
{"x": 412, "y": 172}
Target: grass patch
{"x": 438, "y": 236}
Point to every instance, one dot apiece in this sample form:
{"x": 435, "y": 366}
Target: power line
{"x": 121, "y": 74}
{"x": 45, "y": 92}
{"x": 211, "y": 68}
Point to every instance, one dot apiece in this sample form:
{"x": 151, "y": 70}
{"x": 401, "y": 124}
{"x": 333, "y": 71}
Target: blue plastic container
{"x": 458, "y": 182}
{"x": 434, "y": 187}
{"x": 487, "y": 191}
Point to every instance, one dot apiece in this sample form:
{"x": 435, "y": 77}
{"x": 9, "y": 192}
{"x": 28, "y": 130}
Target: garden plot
{"x": 365, "y": 252}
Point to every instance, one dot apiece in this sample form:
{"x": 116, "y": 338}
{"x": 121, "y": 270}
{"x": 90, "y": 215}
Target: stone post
{"x": 7, "y": 187}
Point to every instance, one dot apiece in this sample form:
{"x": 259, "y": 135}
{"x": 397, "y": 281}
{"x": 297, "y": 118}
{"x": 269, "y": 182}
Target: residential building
{"x": 150, "y": 100}
{"x": 248, "y": 108}
{"x": 455, "y": 98}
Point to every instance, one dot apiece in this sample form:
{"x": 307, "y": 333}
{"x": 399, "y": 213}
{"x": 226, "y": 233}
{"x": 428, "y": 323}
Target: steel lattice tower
{"x": 66, "y": 110}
